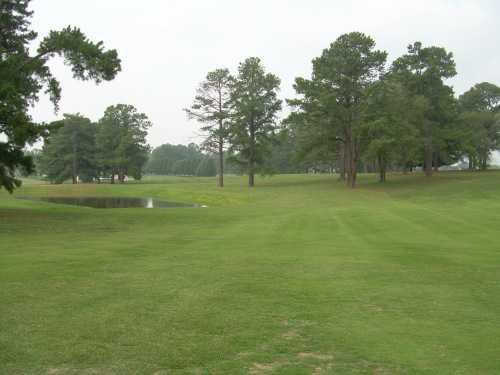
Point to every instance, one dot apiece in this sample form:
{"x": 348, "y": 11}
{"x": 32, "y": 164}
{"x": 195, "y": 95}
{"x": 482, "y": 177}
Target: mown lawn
{"x": 296, "y": 276}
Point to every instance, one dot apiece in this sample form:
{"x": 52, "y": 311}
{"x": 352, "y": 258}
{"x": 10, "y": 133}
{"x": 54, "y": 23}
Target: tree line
{"x": 355, "y": 112}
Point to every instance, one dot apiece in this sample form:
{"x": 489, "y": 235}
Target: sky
{"x": 168, "y": 46}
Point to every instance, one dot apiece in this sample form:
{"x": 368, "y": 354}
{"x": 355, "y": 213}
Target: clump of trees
{"x": 78, "y": 149}
{"x": 355, "y": 113}
{"x": 359, "y": 112}
{"x": 181, "y": 160}
{"x": 24, "y": 74}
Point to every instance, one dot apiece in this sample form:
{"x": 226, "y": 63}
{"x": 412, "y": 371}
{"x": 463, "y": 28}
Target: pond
{"x": 111, "y": 202}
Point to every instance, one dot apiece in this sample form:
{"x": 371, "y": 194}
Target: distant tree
{"x": 483, "y": 97}
{"x": 479, "y": 119}
{"x": 35, "y": 154}
{"x": 480, "y": 135}
{"x": 254, "y": 106}
{"x": 121, "y": 143}
{"x": 206, "y": 168}
{"x": 423, "y": 71}
{"x": 170, "y": 159}
{"x": 284, "y": 156}
{"x": 24, "y": 75}
{"x": 333, "y": 103}
{"x": 211, "y": 109}
{"x": 69, "y": 152}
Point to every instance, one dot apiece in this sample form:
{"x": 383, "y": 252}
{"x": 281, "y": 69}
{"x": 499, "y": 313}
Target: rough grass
{"x": 296, "y": 276}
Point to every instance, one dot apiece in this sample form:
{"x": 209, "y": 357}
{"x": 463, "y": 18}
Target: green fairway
{"x": 298, "y": 275}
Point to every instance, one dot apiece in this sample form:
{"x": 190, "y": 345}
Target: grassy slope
{"x": 296, "y": 276}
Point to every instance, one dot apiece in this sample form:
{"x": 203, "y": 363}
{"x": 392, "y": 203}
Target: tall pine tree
{"x": 254, "y": 107}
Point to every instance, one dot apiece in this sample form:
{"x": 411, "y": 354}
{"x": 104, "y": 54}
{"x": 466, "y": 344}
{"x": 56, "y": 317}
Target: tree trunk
{"x": 484, "y": 163}
{"x": 113, "y": 177}
{"x": 381, "y": 166}
{"x": 221, "y": 164}
{"x": 74, "y": 166}
{"x": 406, "y": 168}
{"x": 341, "y": 163}
{"x": 435, "y": 161}
{"x": 251, "y": 171}
{"x": 351, "y": 159}
{"x": 251, "y": 178}
{"x": 221, "y": 143}
{"x": 428, "y": 160}
{"x": 471, "y": 163}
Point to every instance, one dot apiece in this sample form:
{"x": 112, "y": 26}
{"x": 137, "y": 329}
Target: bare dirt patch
{"x": 317, "y": 356}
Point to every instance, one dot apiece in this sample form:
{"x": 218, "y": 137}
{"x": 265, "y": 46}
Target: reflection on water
{"x": 111, "y": 202}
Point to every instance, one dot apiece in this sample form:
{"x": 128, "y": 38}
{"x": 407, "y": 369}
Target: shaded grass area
{"x": 296, "y": 276}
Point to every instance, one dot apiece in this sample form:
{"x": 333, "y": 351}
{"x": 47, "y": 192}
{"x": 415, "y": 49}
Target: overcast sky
{"x": 168, "y": 46}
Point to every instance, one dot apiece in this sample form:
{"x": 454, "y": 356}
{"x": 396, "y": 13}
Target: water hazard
{"x": 112, "y": 202}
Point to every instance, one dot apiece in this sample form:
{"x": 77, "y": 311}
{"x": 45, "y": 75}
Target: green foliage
{"x": 284, "y": 157}
{"x": 389, "y": 133}
{"x": 211, "y": 108}
{"x": 121, "y": 143}
{"x": 479, "y": 123}
{"x": 170, "y": 159}
{"x": 423, "y": 71}
{"x": 254, "y": 107}
{"x": 206, "y": 168}
{"x": 35, "y": 154}
{"x": 23, "y": 77}
{"x": 88, "y": 60}
{"x": 333, "y": 103}
{"x": 69, "y": 152}
{"x": 483, "y": 96}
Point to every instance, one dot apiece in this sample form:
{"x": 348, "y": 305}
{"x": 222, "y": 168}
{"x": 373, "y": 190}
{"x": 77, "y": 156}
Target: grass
{"x": 296, "y": 276}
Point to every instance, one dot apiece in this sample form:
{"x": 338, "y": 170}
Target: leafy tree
{"x": 121, "y": 143}
{"x": 254, "y": 106}
{"x": 69, "y": 152}
{"x": 24, "y": 75}
{"x": 423, "y": 71}
{"x": 333, "y": 102}
{"x": 480, "y": 135}
{"x": 211, "y": 108}
{"x": 479, "y": 108}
